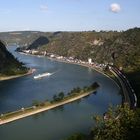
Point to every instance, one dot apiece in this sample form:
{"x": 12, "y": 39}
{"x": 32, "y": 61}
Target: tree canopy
{"x": 120, "y": 123}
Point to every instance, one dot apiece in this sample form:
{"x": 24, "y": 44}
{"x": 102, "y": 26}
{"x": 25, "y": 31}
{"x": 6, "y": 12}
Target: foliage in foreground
{"x": 121, "y": 123}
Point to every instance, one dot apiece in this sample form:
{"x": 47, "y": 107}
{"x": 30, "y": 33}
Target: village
{"x": 89, "y": 61}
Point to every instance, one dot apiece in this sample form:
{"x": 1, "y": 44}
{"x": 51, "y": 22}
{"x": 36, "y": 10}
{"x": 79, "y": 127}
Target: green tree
{"x": 76, "y": 90}
{"x": 120, "y": 123}
{"x": 85, "y": 88}
{"x": 36, "y": 103}
{"x": 94, "y": 85}
{"x": 61, "y": 95}
{"x": 55, "y": 98}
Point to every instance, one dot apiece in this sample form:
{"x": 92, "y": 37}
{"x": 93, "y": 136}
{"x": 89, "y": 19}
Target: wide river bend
{"x": 59, "y": 123}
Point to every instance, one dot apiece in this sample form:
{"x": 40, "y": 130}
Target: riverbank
{"x": 85, "y": 65}
{"x": 25, "y": 112}
{"x": 3, "y": 78}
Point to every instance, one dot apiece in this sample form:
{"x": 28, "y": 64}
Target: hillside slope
{"x": 8, "y": 64}
{"x": 120, "y": 48}
{"x": 38, "y": 42}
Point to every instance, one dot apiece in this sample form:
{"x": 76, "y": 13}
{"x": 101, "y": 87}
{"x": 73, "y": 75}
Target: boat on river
{"x": 39, "y": 76}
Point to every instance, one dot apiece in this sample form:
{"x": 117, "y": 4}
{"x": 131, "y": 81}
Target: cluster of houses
{"x": 73, "y": 60}
{"x": 34, "y": 52}
{"x": 89, "y": 62}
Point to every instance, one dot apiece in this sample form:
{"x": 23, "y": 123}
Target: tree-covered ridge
{"x": 22, "y": 38}
{"x": 38, "y": 42}
{"x": 111, "y": 44}
{"x": 120, "y": 48}
{"x": 8, "y": 64}
{"x": 77, "y": 44}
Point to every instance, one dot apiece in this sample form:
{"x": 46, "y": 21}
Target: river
{"x": 59, "y": 123}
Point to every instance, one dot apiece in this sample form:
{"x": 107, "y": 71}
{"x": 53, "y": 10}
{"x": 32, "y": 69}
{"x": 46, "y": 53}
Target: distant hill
{"x": 39, "y": 42}
{"x": 75, "y": 43}
{"x": 8, "y": 64}
{"x": 120, "y": 48}
{"x": 22, "y": 38}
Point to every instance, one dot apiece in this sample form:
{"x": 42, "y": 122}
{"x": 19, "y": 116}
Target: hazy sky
{"x": 75, "y": 15}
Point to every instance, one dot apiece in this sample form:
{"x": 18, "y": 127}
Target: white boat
{"x": 39, "y": 76}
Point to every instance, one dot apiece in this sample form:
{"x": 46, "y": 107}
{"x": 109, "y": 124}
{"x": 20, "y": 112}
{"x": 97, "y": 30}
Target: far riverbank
{"x": 86, "y": 64}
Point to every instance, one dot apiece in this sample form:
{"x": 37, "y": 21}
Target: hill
{"x": 38, "y": 42}
{"x": 120, "y": 48}
{"x": 8, "y": 64}
{"x": 21, "y": 38}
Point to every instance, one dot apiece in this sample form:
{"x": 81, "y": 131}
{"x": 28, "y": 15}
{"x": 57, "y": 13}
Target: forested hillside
{"x": 8, "y": 64}
{"x": 121, "y": 48}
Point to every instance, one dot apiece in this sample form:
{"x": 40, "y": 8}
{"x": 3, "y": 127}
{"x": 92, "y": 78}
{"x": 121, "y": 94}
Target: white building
{"x": 89, "y": 60}
{"x": 34, "y": 51}
{"x": 52, "y": 56}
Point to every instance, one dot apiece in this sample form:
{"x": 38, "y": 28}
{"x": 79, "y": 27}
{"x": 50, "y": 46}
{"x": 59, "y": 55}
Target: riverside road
{"x": 128, "y": 92}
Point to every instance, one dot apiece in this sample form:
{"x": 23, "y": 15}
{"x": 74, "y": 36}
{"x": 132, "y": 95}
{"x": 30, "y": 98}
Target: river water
{"x": 61, "y": 122}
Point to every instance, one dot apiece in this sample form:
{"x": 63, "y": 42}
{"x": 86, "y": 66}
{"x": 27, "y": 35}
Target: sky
{"x": 69, "y": 15}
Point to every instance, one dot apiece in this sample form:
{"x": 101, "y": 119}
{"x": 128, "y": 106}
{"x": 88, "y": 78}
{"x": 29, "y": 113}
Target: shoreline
{"x": 96, "y": 69}
{"x": 4, "y": 78}
{"x": 74, "y": 63}
{"x": 64, "y": 61}
{"x": 84, "y": 65}
{"x": 45, "y": 108}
